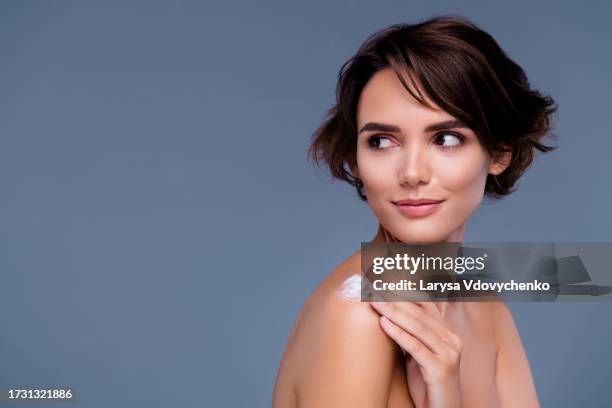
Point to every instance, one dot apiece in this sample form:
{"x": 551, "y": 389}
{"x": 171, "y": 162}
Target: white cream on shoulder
{"x": 351, "y": 288}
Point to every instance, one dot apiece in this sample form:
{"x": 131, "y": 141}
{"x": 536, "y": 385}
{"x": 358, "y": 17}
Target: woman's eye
{"x": 449, "y": 140}
{"x": 378, "y": 142}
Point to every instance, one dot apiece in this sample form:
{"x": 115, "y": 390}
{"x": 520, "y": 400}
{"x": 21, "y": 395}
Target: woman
{"x": 429, "y": 119}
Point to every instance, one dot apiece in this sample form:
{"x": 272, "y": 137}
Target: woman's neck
{"x": 383, "y": 235}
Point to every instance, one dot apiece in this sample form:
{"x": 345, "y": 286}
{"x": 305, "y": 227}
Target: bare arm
{"x": 349, "y": 358}
{"x": 515, "y": 385}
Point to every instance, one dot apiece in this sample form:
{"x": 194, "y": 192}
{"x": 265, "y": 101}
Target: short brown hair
{"x": 464, "y": 71}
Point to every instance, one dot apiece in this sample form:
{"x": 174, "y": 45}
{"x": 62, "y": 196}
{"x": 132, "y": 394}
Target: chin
{"x": 420, "y": 239}
{"x": 419, "y": 235}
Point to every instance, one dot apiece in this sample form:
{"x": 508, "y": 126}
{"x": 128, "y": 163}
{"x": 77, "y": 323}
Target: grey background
{"x": 160, "y": 225}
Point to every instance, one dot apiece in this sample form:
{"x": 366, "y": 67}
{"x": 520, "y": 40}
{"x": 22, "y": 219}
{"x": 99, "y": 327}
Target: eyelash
{"x": 382, "y": 136}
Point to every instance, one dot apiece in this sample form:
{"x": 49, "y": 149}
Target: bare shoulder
{"x": 501, "y": 318}
{"x": 513, "y": 369}
{"x": 342, "y": 355}
{"x": 495, "y": 317}
{"x": 488, "y": 313}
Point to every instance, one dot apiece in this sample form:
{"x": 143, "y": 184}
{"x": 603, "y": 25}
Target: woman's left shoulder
{"x": 487, "y": 313}
{"x": 497, "y": 316}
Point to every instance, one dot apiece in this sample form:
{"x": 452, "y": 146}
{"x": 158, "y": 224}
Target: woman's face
{"x": 405, "y": 151}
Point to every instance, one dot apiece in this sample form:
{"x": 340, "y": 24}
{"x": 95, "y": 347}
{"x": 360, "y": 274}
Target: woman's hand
{"x": 433, "y": 351}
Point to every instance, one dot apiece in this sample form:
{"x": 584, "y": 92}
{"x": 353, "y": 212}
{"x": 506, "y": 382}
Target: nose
{"x": 415, "y": 168}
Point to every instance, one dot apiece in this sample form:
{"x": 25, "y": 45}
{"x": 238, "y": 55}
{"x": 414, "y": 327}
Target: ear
{"x": 354, "y": 170}
{"x": 500, "y": 162}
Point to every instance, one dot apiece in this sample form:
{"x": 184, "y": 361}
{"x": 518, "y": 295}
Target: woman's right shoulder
{"x": 337, "y": 299}
{"x": 338, "y": 342}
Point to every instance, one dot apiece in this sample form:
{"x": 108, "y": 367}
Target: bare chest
{"x": 477, "y": 366}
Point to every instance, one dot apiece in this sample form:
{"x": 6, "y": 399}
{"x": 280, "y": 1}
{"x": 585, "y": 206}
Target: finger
{"x": 435, "y": 323}
{"x": 430, "y": 308}
{"x": 425, "y": 300}
{"x": 417, "y": 350}
{"x": 446, "y": 332}
{"x": 416, "y": 326}
{"x": 438, "y": 322}
{"x": 438, "y": 325}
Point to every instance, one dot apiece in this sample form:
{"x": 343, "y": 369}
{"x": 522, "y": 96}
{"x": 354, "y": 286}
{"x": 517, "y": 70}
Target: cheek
{"x": 377, "y": 174}
{"x": 463, "y": 178}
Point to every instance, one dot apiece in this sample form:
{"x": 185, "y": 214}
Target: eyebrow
{"x": 383, "y": 127}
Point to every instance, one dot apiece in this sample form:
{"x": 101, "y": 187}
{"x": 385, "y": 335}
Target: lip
{"x": 417, "y": 202}
{"x": 418, "y": 208}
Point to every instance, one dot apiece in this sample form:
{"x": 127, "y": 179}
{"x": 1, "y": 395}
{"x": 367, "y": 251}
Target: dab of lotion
{"x": 351, "y": 288}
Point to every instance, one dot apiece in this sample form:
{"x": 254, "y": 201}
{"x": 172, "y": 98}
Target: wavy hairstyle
{"x": 463, "y": 70}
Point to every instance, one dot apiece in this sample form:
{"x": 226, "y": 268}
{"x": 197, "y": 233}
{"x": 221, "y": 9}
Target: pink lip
{"x": 418, "y": 210}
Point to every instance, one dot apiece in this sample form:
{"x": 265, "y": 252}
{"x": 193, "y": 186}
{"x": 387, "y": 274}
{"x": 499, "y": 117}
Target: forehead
{"x": 385, "y": 99}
